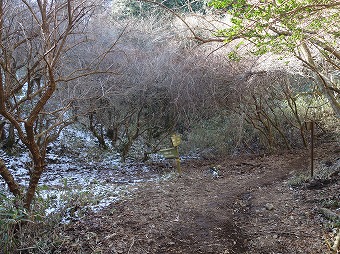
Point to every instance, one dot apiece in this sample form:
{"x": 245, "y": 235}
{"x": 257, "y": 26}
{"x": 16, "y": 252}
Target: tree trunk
{"x": 112, "y": 134}
{"x": 324, "y": 87}
{"x": 33, "y": 184}
{"x": 322, "y": 81}
{"x": 2, "y": 131}
{"x": 125, "y": 150}
{"x": 38, "y": 152}
{"x": 13, "y": 186}
{"x": 10, "y": 141}
{"x": 99, "y": 136}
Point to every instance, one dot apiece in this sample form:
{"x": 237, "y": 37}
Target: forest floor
{"x": 254, "y": 204}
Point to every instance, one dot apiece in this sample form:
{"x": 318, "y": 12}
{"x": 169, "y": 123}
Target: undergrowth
{"x": 40, "y": 230}
{"x": 322, "y": 173}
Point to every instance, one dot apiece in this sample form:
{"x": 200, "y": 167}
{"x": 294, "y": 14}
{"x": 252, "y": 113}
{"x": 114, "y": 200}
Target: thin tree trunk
{"x": 322, "y": 81}
{"x": 13, "y": 186}
{"x": 99, "y": 136}
{"x": 323, "y": 85}
{"x": 10, "y": 141}
{"x": 2, "y": 131}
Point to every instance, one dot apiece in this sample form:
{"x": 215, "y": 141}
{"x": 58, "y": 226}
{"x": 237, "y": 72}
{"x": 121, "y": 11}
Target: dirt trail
{"x": 246, "y": 209}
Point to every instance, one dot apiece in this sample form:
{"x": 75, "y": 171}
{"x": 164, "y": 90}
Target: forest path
{"x": 246, "y": 209}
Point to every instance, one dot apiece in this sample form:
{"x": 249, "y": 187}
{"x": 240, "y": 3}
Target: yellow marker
{"x": 172, "y": 153}
{"x": 176, "y": 140}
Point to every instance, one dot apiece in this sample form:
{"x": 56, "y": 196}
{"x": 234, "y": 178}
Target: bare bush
{"x": 162, "y": 86}
{"x": 277, "y": 105}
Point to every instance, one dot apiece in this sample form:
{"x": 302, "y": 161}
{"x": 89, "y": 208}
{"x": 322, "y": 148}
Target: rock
{"x": 269, "y": 206}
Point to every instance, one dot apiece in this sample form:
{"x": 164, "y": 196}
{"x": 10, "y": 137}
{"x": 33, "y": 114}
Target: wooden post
{"x": 172, "y": 153}
{"x": 176, "y": 141}
{"x": 312, "y": 148}
{"x": 178, "y": 165}
{"x": 311, "y": 126}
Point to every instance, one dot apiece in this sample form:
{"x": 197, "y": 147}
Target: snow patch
{"x": 73, "y": 181}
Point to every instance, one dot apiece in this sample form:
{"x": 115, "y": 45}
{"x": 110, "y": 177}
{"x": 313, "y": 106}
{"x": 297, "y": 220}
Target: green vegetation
{"x": 126, "y": 8}
{"x": 307, "y": 30}
{"x": 34, "y": 231}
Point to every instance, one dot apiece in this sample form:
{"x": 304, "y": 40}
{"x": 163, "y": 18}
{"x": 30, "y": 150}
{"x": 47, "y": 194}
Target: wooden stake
{"x": 312, "y": 149}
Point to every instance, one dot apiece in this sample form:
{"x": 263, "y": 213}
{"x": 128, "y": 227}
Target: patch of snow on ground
{"x": 72, "y": 175}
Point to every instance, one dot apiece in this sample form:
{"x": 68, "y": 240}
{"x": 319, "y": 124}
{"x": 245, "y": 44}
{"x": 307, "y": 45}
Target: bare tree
{"x": 37, "y": 39}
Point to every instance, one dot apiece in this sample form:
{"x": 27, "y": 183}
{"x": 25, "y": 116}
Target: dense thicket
{"x": 132, "y": 78}
{"x": 169, "y": 84}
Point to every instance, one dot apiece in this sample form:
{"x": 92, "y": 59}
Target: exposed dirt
{"x": 247, "y": 208}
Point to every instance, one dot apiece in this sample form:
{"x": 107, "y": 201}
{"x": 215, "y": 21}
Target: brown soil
{"x": 248, "y": 208}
